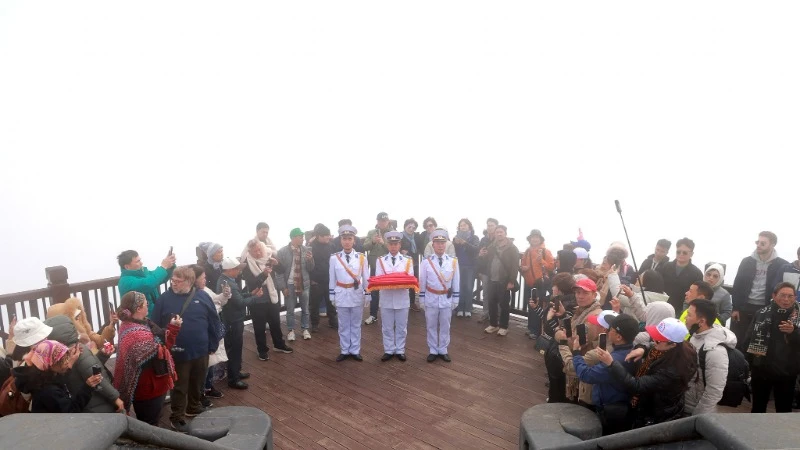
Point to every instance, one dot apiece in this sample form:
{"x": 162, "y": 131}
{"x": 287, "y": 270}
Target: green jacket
{"x": 374, "y": 251}
{"x": 144, "y": 281}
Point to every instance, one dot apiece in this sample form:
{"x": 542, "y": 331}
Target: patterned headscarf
{"x": 46, "y": 354}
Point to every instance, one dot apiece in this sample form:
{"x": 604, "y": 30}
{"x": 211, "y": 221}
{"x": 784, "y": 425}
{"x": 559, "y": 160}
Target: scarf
{"x": 138, "y": 344}
{"x": 46, "y": 354}
{"x": 648, "y": 361}
{"x": 410, "y": 237}
{"x": 762, "y": 327}
{"x": 298, "y": 268}
{"x": 257, "y": 266}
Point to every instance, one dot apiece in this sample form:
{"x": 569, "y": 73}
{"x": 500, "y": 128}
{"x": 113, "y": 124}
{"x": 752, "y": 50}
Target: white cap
{"x": 669, "y": 329}
{"x": 581, "y": 253}
{"x": 30, "y": 331}
{"x": 601, "y": 318}
{"x": 230, "y": 263}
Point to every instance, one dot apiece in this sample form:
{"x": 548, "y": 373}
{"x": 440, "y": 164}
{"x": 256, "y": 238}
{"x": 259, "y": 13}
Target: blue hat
{"x": 347, "y": 230}
{"x": 582, "y": 243}
{"x": 393, "y": 236}
{"x": 440, "y": 235}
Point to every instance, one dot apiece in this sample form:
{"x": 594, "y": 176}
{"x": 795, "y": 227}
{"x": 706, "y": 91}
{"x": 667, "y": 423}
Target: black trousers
{"x": 412, "y": 294}
{"x": 233, "y": 347}
{"x": 739, "y": 327}
{"x": 782, "y": 388}
{"x": 498, "y": 297}
{"x": 557, "y": 392}
{"x": 262, "y": 314}
{"x": 615, "y": 418}
{"x": 318, "y": 295}
{"x": 149, "y": 411}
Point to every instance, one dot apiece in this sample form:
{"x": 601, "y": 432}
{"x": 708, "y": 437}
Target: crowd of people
{"x": 637, "y": 347}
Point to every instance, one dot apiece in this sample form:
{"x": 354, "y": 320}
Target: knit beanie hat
{"x": 209, "y": 248}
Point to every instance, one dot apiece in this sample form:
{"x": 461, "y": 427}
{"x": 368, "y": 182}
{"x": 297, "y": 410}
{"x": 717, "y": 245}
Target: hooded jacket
{"x": 655, "y": 312}
{"x": 722, "y": 298}
{"x": 702, "y": 398}
{"x": 743, "y": 283}
{"x": 102, "y": 400}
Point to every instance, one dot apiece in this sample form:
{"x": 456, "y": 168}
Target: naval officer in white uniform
{"x": 349, "y": 278}
{"x": 438, "y": 294}
{"x": 394, "y": 302}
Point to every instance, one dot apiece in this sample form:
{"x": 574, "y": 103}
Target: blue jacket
{"x": 200, "y": 332}
{"x": 606, "y": 389}
{"x": 778, "y": 278}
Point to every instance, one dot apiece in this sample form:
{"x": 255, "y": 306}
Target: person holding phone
{"x": 585, "y": 291}
{"x": 772, "y": 346}
{"x": 135, "y": 277}
{"x": 609, "y": 396}
{"x": 40, "y": 376}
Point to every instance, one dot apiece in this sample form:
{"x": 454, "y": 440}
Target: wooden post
{"x": 57, "y": 282}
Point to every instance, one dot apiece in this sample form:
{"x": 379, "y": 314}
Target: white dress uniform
{"x": 349, "y": 278}
{"x": 394, "y": 304}
{"x": 438, "y": 276}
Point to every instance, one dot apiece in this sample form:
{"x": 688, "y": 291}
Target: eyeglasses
{"x": 176, "y": 280}
{"x": 785, "y": 296}
{"x": 682, "y": 252}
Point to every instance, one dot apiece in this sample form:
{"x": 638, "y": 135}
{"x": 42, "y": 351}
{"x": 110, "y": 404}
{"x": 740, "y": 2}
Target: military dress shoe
{"x": 401, "y": 356}
{"x": 431, "y": 357}
{"x": 341, "y": 357}
{"x": 357, "y": 357}
{"x": 238, "y": 385}
{"x": 244, "y": 375}
{"x": 445, "y": 358}
{"x": 386, "y": 357}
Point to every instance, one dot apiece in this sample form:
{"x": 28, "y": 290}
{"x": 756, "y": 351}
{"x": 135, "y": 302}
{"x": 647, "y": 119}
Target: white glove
{"x": 455, "y": 305}
{"x": 422, "y": 306}
{"x": 333, "y": 302}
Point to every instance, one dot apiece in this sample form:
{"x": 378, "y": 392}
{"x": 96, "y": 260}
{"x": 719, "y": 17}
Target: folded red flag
{"x": 400, "y": 280}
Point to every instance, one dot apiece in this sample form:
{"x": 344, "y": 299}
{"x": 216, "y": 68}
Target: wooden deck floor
{"x": 474, "y": 402}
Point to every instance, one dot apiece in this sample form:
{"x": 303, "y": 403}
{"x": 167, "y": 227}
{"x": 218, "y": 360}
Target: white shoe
{"x": 306, "y": 335}
{"x": 370, "y": 320}
{"x": 290, "y": 336}
{"x": 490, "y": 329}
{"x": 502, "y": 331}
{"x": 323, "y": 314}
{"x": 460, "y": 314}
{"x": 468, "y": 314}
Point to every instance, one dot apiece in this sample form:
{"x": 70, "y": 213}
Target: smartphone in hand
{"x": 170, "y": 251}
{"x": 581, "y": 329}
{"x": 568, "y": 326}
{"x": 603, "y": 341}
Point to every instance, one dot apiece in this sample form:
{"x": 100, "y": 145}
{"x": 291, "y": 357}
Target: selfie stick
{"x": 635, "y": 267}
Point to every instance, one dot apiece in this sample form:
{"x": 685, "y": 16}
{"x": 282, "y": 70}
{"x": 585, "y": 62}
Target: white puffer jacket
{"x": 702, "y": 398}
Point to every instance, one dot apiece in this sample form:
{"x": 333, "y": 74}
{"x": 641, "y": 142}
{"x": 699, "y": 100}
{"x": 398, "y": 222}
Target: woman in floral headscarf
{"x": 40, "y": 376}
{"x": 144, "y": 372}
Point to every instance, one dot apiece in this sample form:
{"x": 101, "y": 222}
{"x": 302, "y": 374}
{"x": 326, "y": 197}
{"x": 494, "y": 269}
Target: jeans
{"x": 233, "y": 347}
{"x": 498, "y": 297}
{"x": 262, "y": 314}
{"x": 188, "y": 389}
{"x": 291, "y": 304}
{"x": 541, "y": 289}
{"x": 149, "y": 411}
{"x": 467, "y": 275}
{"x": 319, "y": 297}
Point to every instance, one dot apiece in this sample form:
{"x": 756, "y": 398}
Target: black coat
{"x": 648, "y": 264}
{"x": 661, "y": 389}
{"x": 676, "y": 285}
{"x": 743, "y": 283}
{"x": 322, "y": 262}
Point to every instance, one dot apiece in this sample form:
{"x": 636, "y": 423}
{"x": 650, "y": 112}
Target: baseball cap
{"x": 602, "y": 318}
{"x": 586, "y": 284}
{"x": 581, "y": 253}
{"x": 382, "y": 216}
{"x": 625, "y": 325}
{"x": 230, "y": 263}
{"x": 668, "y": 330}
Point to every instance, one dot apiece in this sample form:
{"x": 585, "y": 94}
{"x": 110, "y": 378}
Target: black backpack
{"x": 737, "y": 386}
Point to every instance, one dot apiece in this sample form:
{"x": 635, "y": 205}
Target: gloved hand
{"x": 455, "y": 305}
{"x": 333, "y": 301}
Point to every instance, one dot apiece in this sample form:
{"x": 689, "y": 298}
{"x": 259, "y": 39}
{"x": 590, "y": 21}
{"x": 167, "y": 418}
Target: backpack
{"x": 737, "y": 385}
{"x": 11, "y": 400}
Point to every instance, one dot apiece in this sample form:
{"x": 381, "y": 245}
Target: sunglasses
{"x": 762, "y": 243}
{"x": 682, "y": 252}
